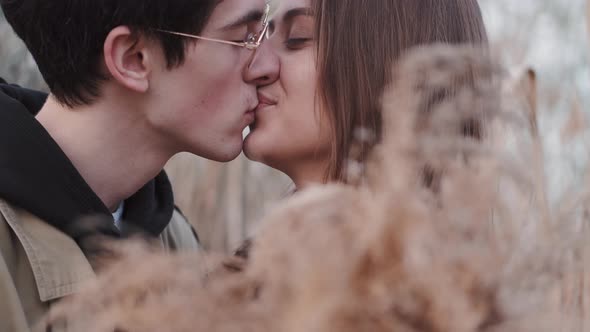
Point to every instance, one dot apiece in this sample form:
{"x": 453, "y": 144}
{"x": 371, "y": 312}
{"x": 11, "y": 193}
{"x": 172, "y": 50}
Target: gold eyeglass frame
{"x": 252, "y": 41}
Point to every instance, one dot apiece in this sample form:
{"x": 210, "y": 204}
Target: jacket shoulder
{"x": 179, "y": 235}
{"x": 12, "y": 315}
{"x": 8, "y": 242}
{"x": 12, "y": 308}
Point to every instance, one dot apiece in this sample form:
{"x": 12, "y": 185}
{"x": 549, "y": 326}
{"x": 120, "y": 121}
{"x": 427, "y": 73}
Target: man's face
{"x": 205, "y": 104}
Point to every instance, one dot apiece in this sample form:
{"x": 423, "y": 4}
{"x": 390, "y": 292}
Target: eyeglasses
{"x": 252, "y": 41}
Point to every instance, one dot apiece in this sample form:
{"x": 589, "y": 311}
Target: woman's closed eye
{"x": 299, "y": 33}
{"x": 299, "y": 36}
{"x": 296, "y": 43}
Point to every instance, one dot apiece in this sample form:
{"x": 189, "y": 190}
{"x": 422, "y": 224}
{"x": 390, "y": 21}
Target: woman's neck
{"x": 305, "y": 174}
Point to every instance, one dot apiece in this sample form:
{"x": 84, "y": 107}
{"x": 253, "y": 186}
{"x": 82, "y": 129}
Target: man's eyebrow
{"x": 253, "y": 16}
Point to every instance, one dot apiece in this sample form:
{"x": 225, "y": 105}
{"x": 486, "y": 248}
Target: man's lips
{"x": 252, "y": 109}
{"x": 250, "y": 114}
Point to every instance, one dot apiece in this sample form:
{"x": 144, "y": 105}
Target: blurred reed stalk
{"x": 588, "y": 18}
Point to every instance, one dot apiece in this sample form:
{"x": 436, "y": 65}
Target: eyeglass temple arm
{"x": 202, "y": 38}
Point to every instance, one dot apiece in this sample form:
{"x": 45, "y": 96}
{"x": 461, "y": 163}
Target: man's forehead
{"x": 230, "y": 12}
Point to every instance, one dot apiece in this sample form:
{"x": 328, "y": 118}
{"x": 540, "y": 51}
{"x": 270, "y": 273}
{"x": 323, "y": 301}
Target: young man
{"x": 131, "y": 85}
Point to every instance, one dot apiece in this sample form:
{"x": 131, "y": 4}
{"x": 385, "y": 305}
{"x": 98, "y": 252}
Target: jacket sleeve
{"x": 12, "y": 315}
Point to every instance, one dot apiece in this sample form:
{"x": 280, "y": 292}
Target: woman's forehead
{"x": 231, "y": 11}
{"x": 280, "y": 7}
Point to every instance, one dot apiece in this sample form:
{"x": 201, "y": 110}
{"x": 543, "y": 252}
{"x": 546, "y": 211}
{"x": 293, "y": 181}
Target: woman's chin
{"x": 253, "y": 148}
{"x": 263, "y": 149}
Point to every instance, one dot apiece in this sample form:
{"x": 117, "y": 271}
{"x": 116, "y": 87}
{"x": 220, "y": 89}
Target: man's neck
{"x": 112, "y": 148}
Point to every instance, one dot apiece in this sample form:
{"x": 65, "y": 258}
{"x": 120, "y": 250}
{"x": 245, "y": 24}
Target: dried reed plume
{"x": 446, "y": 230}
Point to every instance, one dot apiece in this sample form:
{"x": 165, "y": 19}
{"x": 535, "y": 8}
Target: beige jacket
{"x": 40, "y": 265}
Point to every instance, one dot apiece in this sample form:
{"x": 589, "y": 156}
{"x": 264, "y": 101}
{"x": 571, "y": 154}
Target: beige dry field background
{"x": 226, "y": 201}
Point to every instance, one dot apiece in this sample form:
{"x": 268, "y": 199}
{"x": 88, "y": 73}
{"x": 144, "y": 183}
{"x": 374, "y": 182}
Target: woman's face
{"x": 290, "y": 132}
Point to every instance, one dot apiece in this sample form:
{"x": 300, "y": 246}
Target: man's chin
{"x": 230, "y": 155}
{"x": 223, "y": 154}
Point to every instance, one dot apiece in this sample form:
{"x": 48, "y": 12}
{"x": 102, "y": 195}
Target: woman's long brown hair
{"x": 358, "y": 43}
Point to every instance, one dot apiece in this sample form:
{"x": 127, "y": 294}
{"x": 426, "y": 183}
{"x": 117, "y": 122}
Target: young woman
{"x": 321, "y": 74}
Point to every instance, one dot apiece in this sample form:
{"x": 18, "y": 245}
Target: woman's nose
{"x": 264, "y": 66}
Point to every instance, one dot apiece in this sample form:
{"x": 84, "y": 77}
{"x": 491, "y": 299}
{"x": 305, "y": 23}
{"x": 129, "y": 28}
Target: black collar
{"x": 36, "y": 175}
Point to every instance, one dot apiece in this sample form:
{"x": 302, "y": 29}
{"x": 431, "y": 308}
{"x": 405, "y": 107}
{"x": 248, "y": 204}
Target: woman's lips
{"x": 263, "y": 106}
{"x": 264, "y": 102}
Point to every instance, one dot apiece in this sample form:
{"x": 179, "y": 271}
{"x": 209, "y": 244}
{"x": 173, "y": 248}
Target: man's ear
{"x": 128, "y": 59}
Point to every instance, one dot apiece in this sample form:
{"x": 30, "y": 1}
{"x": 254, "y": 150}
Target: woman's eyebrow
{"x": 251, "y": 17}
{"x": 290, "y": 15}
{"x": 303, "y": 11}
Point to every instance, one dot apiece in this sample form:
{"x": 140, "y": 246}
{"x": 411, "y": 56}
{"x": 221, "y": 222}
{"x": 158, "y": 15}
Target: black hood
{"x": 37, "y": 176}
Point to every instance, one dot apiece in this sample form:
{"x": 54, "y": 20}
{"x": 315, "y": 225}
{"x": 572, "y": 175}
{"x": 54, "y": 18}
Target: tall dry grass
{"x": 447, "y": 229}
